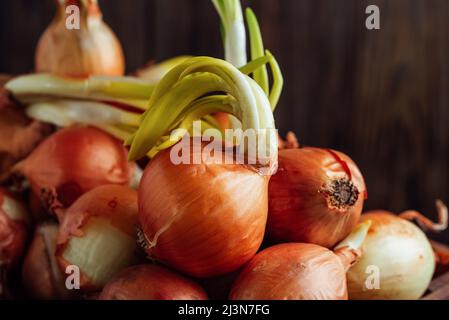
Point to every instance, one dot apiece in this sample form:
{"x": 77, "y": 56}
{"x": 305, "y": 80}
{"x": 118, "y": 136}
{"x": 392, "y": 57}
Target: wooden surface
{"x": 381, "y": 96}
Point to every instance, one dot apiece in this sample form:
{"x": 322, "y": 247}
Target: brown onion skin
{"x": 40, "y": 260}
{"x": 75, "y": 160}
{"x": 19, "y": 134}
{"x": 13, "y": 236}
{"x": 299, "y": 210}
{"x": 151, "y": 282}
{"x": 220, "y": 211}
{"x": 115, "y": 203}
{"x": 92, "y": 50}
{"x": 293, "y": 271}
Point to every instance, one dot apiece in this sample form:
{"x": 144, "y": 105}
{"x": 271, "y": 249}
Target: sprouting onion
{"x": 217, "y": 214}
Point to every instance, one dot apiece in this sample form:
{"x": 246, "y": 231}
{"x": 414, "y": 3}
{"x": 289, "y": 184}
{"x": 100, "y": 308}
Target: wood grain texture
{"x": 380, "y": 96}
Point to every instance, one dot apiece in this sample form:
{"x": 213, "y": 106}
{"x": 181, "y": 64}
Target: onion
{"x": 151, "y": 282}
{"x": 315, "y": 197}
{"x": 18, "y": 134}
{"x": 14, "y": 223}
{"x": 91, "y": 49}
{"x": 75, "y": 160}
{"x": 40, "y": 273}
{"x": 398, "y": 261}
{"x": 97, "y": 234}
{"x": 299, "y": 271}
{"x": 203, "y": 219}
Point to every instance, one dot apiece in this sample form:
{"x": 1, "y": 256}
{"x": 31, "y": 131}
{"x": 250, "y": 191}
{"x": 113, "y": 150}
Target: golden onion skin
{"x": 75, "y": 160}
{"x": 151, "y": 282}
{"x": 403, "y": 255}
{"x": 301, "y": 207}
{"x": 204, "y": 220}
{"x": 93, "y": 49}
{"x": 293, "y": 271}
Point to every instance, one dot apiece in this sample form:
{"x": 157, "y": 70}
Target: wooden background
{"x": 380, "y": 96}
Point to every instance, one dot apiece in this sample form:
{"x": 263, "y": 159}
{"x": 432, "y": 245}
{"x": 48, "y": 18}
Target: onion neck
{"x": 350, "y": 249}
{"x": 88, "y": 8}
{"x": 341, "y": 194}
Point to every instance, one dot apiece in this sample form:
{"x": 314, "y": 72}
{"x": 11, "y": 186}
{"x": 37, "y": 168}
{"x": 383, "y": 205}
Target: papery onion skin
{"x": 92, "y": 50}
{"x": 151, "y": 282}
{"x": 402, "y": 254}
{"x": 75, "y": 160}
{"x": 301, "y": 207}
{"x": 40, "y": 274}
{"x": 293, "y": 271}
{"x": 18, "y": 134}
{"x": 114, "y": 205}
{"x": 202, "y": 219}
{"x": 13, "y": 230}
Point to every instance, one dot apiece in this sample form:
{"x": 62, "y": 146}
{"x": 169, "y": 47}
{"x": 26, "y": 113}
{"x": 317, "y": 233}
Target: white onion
{"x": 397, "y": 261}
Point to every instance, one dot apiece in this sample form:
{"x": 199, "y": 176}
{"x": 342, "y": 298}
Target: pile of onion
{"x": 75, "y": 160}
{"x": 98, "y": 235}
{"x": 398, "y": 261}
{"x": 151, "y": 282}
{"x": 40, "y": 273}
{"x": 315, "y": 197}
{"x": 91, "y": 49}
{"x": 300, "y": 271}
